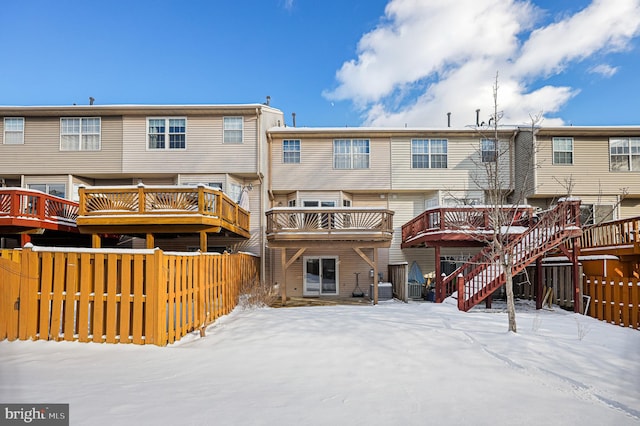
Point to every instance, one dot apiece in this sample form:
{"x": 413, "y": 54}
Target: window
{"x": 351, "y": 154}
{"x": 624, "y": 154}
{"x": 161, "y": 130}
{"x": 232, "y": 129}
{"x": 291, "y": 151}
{"x": 488, "y": 150}
{"x": 234, "y": 192}
{"x": 13, "y": 130}
{"x": 562, "y": 150}
{"x": 80, "y": 134}
{"x": 56, "y": 189}
{"x": 429, "y": 153}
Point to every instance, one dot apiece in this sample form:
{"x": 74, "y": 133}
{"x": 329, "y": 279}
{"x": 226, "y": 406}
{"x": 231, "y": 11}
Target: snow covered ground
{"x": 390, "y": 364}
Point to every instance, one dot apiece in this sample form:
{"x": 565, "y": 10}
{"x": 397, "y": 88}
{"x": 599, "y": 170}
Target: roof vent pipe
{"x": 448, "y": 119}
{"x": 91, "y": 100}
{"x": 293, "y": 114}
{"x": 268, "y": 101}
{"x": 478, "y": 118}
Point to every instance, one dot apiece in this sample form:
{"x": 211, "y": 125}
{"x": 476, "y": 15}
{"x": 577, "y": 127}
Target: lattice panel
{"x": 5, "y": 203}
{"x": 112, "y": 201}
{"x": 172, "y": 201}
{"x": 61, "y": 210}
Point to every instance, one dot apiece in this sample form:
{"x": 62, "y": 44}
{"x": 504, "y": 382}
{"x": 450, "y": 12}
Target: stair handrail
{"x": 567, "y": 209}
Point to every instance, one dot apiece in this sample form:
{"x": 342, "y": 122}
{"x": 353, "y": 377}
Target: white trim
{"x": 166, "y": 133}
{"x": 305, "y": 292}
{"x": 80, "y": 134}
{"x": 21, "y": 132}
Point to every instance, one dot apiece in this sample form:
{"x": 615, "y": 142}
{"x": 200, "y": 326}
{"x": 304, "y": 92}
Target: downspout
{"x": 269, "y": 189}
{"x": 261, "y": 196}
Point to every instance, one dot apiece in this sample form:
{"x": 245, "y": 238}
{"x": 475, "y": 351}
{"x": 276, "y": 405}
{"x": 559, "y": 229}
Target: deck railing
{"x": 615, "y": 233}
{"x": 464, "y": 219}
{"x": 313, "y": 222}
{"x": 26, "y": 204}
{"x": 148, "y": 200}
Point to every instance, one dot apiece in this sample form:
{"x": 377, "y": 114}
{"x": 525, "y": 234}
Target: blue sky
{"x": 333, "y": 62}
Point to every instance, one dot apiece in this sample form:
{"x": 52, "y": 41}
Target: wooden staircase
{"x": 482, "y": 275}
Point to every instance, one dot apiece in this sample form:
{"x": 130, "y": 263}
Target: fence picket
{"x": 45, "y": 295}
{"x": 60, "y": 275}
{"x": 98, "y": 296}
{"x": 86, "y": 280}
{"x": 616, "y": 302}
{"x": 139, "y": 272}
{"x": 125, "y": 299}
{"x": 69, "y": 298}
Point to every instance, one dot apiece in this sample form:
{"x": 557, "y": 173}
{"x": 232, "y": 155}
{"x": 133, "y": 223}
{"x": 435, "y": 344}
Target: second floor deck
{"x": 305, "y": 226}
{"x": 29, "y": 211}
{"x": 150, "y": 209}
{"x": 463, "y": 225}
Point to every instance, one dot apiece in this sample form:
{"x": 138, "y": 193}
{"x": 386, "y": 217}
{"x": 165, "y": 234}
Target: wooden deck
{"x": 306, "y": 226}
{"x": 461, "y": 226}
{"x": 145, "y": 209}
{"x": 24, "y": 211}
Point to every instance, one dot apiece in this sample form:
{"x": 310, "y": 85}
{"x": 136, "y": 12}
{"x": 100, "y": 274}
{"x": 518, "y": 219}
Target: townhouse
{"x": 327, "y": 204}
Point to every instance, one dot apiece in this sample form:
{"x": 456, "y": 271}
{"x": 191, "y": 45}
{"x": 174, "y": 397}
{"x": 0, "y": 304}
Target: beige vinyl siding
{"x": 205, "y": 152}
{"x": 589, "y": 173}
{"x": 41, "y": 150}
{"x": 464, "y": 170}
{"x": 315, "y": 170}
{"x": 630, "y": 207}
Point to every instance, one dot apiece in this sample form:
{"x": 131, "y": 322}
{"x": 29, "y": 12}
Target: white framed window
{"x": 166, "y": 133}
{"x": 351, "y": 154}
{"x": 234, "y": 191}
{"x": 489, "y": 150}
{"x": 562, "y": 150}
{"x": 232, "y": 128}
{"x": 80, "y": 134}
{"x": 13, "y": 130}
{"x": 429, "y": 153}
{"x": 291, "y": 151}
{"x": 624, "y": 154}
{"x": 55, "y": 189}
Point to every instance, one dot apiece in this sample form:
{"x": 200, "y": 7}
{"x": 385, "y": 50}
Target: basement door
{"x": 320, "y": 276}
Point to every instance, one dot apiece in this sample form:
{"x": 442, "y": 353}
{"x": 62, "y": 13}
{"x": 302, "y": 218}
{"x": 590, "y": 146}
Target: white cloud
{"x": 288, "y": 4}
{"x": 604, "y": 70}
{"x": 429, "y": 58}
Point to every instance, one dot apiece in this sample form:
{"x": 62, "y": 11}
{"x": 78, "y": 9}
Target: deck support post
{"x": 96, "y": 241}
{"x": 575, "y": 277}
{"x": 539, "y": 283}
{"x": 150, "y": 241}
{"x": 487, "y": 301}
{"x": 439, "y": 290}
{"x": 283, "y": 285}
{"x": 24, "y": 239}
{"x": 203, "y": 242}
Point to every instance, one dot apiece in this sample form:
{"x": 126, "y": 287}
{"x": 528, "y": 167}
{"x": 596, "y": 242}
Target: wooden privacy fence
{"x": 117, "y": 296}
{"x": 614, "y": 301}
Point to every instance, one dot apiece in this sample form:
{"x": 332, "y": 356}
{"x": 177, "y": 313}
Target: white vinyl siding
{"x": 13, "y": 130}
{"x": 624, "y": 154}
{"x": 562, "y": 150}
{"x": 351, "y": 154}
{"x": 233, "y": 127}
{"x": 80, "y": 134}
{"x": 166, "y": 133}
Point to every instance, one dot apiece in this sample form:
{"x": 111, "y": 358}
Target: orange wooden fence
{"x": 614, "y": 301}
{"x": 116, "y": 296}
